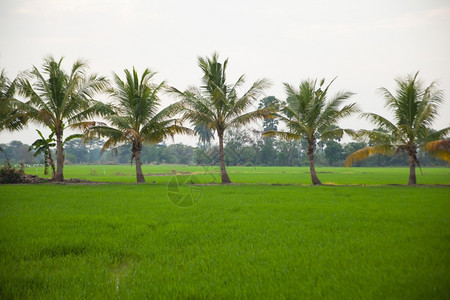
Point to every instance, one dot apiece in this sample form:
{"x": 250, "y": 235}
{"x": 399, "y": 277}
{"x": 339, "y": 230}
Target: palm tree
{"x": 272, "y": 102}
{"x": 43, "y": 146}
{"x": 11, "y": 117}
{"x": 58, "y": 99}
{"x": 136, "y": 119}
{"x": 414, "y": 108}
{"x": 204, "y": 134}
{"x": 216, "y": 103}
{"x": 307, "y": 113}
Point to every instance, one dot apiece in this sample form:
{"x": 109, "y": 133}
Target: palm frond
{"x": 375, "y": 136}
{"x": 367, "y": 152}
{"x": 438, "y": 135}
{"x": 96, "y": 108}
{"x": 105, "y": 131}
{"x": 283, "y": 135}
{"x": 379, "y": 121}
{"x": 169, "y": 111}
{"x": 246, "y": 118}
{"x": 249, "y": 97}
{"x": 332, "y": 134}
{"x": 112, "y": 143}
{"x": 439, "y": 149}
{"x": 86, "y": 125}
{"x": 72, "y": 137}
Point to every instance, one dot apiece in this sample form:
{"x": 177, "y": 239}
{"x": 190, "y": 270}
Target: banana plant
{"x": 43, "y": 146}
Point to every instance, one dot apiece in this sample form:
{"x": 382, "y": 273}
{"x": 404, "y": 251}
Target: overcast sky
{"x": 367, "y": 44}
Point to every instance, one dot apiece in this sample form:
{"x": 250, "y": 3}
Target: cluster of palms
{"x": 62, "y": 100}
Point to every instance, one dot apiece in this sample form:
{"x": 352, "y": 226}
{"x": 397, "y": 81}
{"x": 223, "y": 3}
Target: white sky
{"x": 367, "y": 44}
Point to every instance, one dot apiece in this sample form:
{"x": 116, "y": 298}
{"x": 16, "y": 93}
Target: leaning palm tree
{"x": 414, "y": 108}
{"x": 137, "y": 118}
{"x": 216, "y": 104}
{"x": 58, "y": 100}
{"x": 307, "y": 113}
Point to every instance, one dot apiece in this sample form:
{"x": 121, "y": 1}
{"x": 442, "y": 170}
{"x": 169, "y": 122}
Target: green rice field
{"x": 272, "y": 235}
{"x": 162, "y": 174}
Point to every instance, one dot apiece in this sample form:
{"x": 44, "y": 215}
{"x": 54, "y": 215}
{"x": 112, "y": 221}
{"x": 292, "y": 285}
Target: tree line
{"x": 309, "y": 116}
{"x": 242, "y": 148}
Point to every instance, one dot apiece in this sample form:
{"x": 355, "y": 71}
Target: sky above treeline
{"x": 366, "y": 44}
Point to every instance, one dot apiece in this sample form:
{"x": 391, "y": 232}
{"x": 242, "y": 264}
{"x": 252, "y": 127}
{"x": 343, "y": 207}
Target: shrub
{"x": 10, "y": 175}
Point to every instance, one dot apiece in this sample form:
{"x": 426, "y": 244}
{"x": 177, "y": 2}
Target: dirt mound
{"x": 76, "y": 181}
{"x": 33, "y": 179}
{"x": 27, "y": 178}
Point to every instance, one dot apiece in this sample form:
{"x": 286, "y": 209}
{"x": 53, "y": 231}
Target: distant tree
{"x": 267, "y": 146}
{"x": 334, "y": 153}
{"x": 269, "y": 102}
{"x": 237, "y": 147}
{"x": 77, "y": 149}
{"x": 178, "y": 154}
{"x": 58, "y": 99}
{"x": 137, "y": 118}
{"x": 307, "y": 113}
{"x": 205, "y": 134}
{"x": 415, "y": 107}
{"x": 216, "y": 103}
{"x": 17, "y": 152}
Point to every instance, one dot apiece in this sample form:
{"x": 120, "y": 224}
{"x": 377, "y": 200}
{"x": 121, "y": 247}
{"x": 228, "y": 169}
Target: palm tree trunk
{"x": 315, "y": 180}
{"x": 223, "y": 170}
{"x": 412, "y": 170}
{"x": 139, "y": 175}
{"x": 59, "y": 157}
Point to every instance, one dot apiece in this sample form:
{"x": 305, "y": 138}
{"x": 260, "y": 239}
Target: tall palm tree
{"x": 57, "y": 99}
{"x": 414, "y": 107}
{"x": 216, "y": 103}
{"x": 11, "y": 116}
{"x": 137, "y": 119}
{"x": 307, "y": 113}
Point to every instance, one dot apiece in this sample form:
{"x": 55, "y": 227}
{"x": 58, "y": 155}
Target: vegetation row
{"x": 310, "y": 114}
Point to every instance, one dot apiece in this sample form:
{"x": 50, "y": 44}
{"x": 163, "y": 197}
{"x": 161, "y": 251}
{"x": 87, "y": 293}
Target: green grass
{"x": 255, "y": 175}
{"x": 238, "y": 241}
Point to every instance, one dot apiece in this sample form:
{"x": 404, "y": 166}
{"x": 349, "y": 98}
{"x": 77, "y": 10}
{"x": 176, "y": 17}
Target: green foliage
{"x": 309, "y": 112}
{"x": 43, "y": 146}
{"x": 414, "y": 107}
{"x": 137, "y": 118}
{"x": 57, "y": 99}
{"x": 216, "y": 105}
{"x": 17, "y": 153}
{"x": 238, "y": 241}
{"x": 269, "y": 102}
{"x": 12, "y": 115}
{"x": 334, "y": 153}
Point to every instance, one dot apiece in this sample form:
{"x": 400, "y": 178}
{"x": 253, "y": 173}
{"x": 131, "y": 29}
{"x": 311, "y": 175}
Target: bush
{"x": 10, "y": 175}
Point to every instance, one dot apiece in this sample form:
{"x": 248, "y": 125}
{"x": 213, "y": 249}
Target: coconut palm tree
{"x": 11, "y": 116}
{"x": 414, "y": 108}
{"x": 216, "y": 103}
{"x": 58, "y": 100}
{"x": 137, "y": 118}
{"x": 307, "y": 113}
